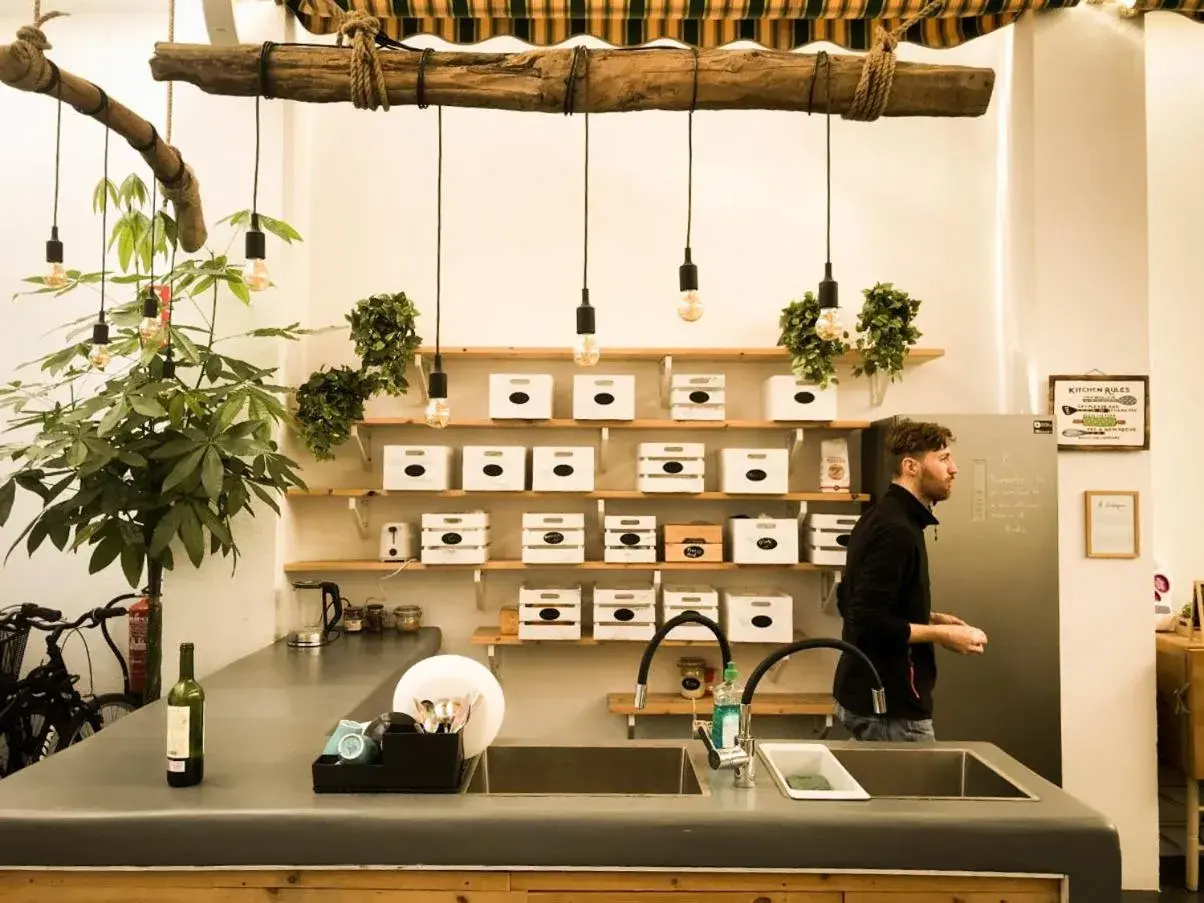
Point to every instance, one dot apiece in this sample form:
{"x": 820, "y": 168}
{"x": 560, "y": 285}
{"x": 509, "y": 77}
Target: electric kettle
{"x": 325, "y": 631}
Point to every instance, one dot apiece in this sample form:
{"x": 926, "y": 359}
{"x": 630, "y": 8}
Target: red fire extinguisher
{"x": 139, "y": 621}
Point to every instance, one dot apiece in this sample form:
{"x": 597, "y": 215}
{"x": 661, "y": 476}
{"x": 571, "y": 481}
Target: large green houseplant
{"x": 812, "y": 357}
{"x": 886, "y": 331}
{"x": 145, "y": 457}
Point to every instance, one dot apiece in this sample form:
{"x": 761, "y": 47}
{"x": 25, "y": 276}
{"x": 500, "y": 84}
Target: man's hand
{"x": 963, "y": 639}
{"x": 938, "y": 617}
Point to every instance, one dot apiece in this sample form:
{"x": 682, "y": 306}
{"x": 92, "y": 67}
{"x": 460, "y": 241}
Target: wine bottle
{"x": 185, "y": 726}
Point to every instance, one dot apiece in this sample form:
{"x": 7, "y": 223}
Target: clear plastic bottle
{"x": 725, "y": 717}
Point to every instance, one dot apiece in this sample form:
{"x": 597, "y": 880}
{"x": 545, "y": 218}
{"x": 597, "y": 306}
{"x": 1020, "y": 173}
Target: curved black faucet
{"x": 686, "y": 617}
{"x": 879, "y": 694}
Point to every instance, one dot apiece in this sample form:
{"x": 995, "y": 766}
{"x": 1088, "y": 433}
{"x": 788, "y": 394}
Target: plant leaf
{"x": 132, "y": 559}
{"x": 212, "y": 473}
{"x": 105, "y": 552}
{"x": 184, "y": 469}
{"x": 8, "y": 492}
{"x": 190, "y": 533}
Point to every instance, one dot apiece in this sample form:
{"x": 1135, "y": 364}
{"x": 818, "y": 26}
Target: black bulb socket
{"x": 586, "y": 325}
{"x": 169, "y": 368}
{"x": 256, "y": 245}
{"x": 687, "y": 275}
{"x": 54, "y": 247}
{"x": 100, "y": 333}
{"x": 150, "y": 304}
{"x": 829, "y": 293}
{"x": 437, "y": 384}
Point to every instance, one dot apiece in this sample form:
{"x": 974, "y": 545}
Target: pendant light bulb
{"x": 255, "y": 273}
{"x": 438, "y": 411}
{"x": 586, "y": 350}
{"x": 151, "y": 323}
{"x": 100, "y": 354}
{"x": 828, "y": 325}
{"x": 56, "y": 275}
{"x": 689, "y": 305}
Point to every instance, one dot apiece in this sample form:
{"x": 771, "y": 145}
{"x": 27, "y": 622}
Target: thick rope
{"x": 34, "y": 44}
{"x": 368, "y": 90}
{"x": 878, "y": 71}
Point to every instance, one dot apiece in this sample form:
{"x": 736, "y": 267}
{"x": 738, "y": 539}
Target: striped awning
{"x": 1193, "y": 9}
{"x": 776, "y": 24}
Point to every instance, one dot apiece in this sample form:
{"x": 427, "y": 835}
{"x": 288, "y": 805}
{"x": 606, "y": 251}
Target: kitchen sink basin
{"x": 927, "y": 773}
{"x": 585, "y": 771}
{"x": 943, "y": 773}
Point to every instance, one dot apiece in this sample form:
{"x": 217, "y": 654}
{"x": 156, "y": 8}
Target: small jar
{"x": 374, "y": 620}
{"x": 408, "y": 618}
{"x": 353, "y": 619}
{"x": 693, "y": 683}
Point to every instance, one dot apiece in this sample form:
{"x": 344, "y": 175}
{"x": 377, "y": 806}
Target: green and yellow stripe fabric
{"x": 776, "y": 24}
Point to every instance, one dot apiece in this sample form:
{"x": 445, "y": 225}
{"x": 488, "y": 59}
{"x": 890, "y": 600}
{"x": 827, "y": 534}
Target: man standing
{"x": 885, "y": 598}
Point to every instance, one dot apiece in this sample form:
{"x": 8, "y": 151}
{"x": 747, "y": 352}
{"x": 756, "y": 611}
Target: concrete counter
{"x": 105, "y": 803}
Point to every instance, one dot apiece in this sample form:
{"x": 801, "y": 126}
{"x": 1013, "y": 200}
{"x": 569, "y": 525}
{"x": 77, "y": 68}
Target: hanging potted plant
{"x": 329, "y": 404}
{"x": 812, "y": 357}
{"x": 382, "y": 327}
{"x": 885, "y": 336}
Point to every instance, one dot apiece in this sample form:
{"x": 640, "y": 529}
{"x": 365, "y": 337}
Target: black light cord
{"x": 827, "y": 60}
{"x": 104, "y": 209}
{"x": 690, "y": 154}
{"x": 58, "y": 133}
{"x": 439, "y": 237}
{"x": 585, "y": 249}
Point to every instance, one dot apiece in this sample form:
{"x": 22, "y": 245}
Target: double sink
{"x": 919, "y": 772}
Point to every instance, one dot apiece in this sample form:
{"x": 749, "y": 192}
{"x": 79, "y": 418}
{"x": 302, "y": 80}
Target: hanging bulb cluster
{"x": 689, "y": 304}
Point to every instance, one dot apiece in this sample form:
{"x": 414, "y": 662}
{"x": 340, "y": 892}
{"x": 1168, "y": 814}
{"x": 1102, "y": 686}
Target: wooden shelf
{"x": 561, "y": 424}
{"x": 746, "y": 355}
{"x": 606, "y": 494}
{"x": 354, "y": 565}
{"x": 493, "y": 636}
{"x": 763, "y": 704}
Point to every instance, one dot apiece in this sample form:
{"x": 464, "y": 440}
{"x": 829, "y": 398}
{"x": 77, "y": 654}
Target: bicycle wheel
{"x": 112, "y": 707}
{"x": 81, "y": 724}
{"x": 31, "y": 732}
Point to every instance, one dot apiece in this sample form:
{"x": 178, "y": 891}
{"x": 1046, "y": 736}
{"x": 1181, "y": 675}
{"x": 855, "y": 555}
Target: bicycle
{"x": 112, "y": 706}
{"x": 43, "y": 712}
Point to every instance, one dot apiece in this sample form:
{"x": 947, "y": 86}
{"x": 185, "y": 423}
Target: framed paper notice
{"x": 1112, "y": 529}
{"x": 1101, "y": 413}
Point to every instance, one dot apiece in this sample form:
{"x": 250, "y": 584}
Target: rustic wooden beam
{"x": 611, "y": 81}
{"x": 23, "y": 66}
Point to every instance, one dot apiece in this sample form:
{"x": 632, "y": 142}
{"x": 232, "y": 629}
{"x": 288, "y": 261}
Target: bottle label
{"x": 730, "y": 729}
{"x": 178, "y": 728}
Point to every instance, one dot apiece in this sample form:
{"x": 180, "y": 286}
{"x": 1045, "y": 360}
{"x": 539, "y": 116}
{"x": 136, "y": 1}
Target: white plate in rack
{"x": 443, "y": 676}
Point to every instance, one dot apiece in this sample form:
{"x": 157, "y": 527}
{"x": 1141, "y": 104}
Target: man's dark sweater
{"x": 884, "y": 590}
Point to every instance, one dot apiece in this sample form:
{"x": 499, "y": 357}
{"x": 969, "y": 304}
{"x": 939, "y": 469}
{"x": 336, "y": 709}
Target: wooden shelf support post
{"x": 420, "y": 366}
{"x": 666, "y": 371}
{"x": 495, "y": 666}
{"x": 359, "y": 511}
{"x": 603, "y": 449}
{"x": 23, "y": 65}
{"x": 794, "y": 443}
{"x": 829, "y": 581}
{"x": 363, "y": 441}
{"x": 478, "y": 588}
{"x": 602, "y": 523}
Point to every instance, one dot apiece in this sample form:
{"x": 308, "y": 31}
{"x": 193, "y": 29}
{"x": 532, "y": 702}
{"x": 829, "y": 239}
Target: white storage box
{"x": 697, "y": 396}
{"x": 629, "y": 540}
{"x": 634, "y": 523}
{"x": 603, "y": 397}
{"x": 553, "y": 538}
{"x": 754, "y": 470}
{"x": 763, "y": 540}
{"x": 826, "y": 538}
{"x": 458, "y": 538}
{"x": 423, "y": 468}
{"x": 520, "y": 396}
{"x": 624, "y": 613}
{"x": 675, "y": 467}
{"x": 701, "y": 599}
{"x": 804, "y": 758}
{"x": 562, "y": 469}
{"x": 494, "y": 468}
{"x": 549, "y": 613}
{"x": 398, "y": 542}
{"x": 794, "y": 399}
{"x": 752, "y": 617}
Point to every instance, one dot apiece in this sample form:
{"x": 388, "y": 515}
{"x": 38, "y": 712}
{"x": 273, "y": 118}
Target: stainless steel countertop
{"x": 267, "y": 717}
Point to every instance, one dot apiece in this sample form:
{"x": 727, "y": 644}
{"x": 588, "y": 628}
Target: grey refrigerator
{"x": 993, "y": 562}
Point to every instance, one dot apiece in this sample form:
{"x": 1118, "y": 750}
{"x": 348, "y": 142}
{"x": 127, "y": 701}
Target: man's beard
{"x": 936, "y": 490}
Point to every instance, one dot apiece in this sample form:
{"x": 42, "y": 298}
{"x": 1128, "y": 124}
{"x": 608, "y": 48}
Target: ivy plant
{"x": 812, "y": 358}
{"x": 382, "y": 327}
{"x": 886, "y": 331}
{"x": 139, "y": 459}
{"x": 328, "y": 404}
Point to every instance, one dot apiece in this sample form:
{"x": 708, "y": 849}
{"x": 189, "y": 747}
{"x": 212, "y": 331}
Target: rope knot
{"x": 368, "y": 89}
{"x": 878, "y": 70}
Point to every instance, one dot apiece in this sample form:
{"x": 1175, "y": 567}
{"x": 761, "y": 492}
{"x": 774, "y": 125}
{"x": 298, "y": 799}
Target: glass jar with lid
{"x": 353, "y": 619}
{"x": 408, "y": 618}
{"x": 693, "y": 684}
{"x": 374, "y": 618}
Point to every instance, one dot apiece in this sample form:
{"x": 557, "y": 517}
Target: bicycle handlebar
{"x": 29, "y": 610}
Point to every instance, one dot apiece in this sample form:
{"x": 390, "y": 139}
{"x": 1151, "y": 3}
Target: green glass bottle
{"x": 186, "y": 726}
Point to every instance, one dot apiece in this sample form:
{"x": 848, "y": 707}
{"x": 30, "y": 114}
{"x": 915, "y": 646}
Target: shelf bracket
{"x": 794, "y": 442}
{"x": 602, "y": 522}
{"x": 666, "y": 369}
{"x": 420, "y": 366}
{"x": 828, "y": 582}
{"x": 478, "y": 587}
{"x": 603, "y": 449}
{"x": 494, "y": 665}
{"x": 656, "y": 584}
{"x": 359, "y": 511}
{"x": 363, "y": 442}
{"x": 631, "y": 727}
{"x": 802, "y": 512}
{"x": 827, "y": 728}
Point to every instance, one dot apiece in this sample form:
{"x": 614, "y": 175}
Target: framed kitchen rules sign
{"x": 1113, "y": 528}
{"x": 1095, "y": 412}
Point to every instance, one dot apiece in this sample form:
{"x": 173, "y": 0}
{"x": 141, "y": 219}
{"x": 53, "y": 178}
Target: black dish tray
{"x": 410, "y": 762}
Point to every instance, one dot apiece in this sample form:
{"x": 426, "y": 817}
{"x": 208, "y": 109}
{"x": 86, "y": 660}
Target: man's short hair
{"x": 914, "y": 439}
